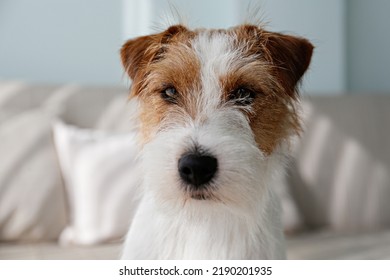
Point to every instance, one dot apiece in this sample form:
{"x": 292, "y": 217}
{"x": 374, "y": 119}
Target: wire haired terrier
{"x": 217, "y": 110}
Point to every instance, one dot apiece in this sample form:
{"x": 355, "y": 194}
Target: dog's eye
{"x": 169, "y": 94}
{"x": 242, "y": 96}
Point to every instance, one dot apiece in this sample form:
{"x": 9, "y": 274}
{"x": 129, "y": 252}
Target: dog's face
{"x": 215, "y": 106}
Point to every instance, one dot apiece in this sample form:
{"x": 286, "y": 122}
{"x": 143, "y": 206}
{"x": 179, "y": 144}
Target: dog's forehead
{"x": 219, "y": 48}
{"x": 210, "y": 44}
{"x": 215, "y": 51}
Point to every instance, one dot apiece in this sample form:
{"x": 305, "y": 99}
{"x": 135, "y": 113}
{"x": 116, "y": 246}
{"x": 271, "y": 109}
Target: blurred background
{"x": 68, "y": 173}
{"x": 78, "y": 41}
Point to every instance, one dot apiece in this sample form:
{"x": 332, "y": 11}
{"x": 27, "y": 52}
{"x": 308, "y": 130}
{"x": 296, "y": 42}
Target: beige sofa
{"x": 335, "y": 195}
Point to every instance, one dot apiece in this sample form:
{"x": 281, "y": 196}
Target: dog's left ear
{"x": 291, "y": 57}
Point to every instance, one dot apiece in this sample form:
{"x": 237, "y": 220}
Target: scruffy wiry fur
{"x": 237, "y": 215}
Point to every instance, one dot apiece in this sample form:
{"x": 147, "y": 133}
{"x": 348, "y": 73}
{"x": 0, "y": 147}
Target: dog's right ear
{"x": 137, "y": 53}
{"x": 134, "y": 53}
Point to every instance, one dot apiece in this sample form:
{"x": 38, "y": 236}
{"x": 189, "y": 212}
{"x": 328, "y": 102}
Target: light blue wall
{"x": 142, "y": 17}
{"x": 368, "y": 46}
{"x": 323, "y": 23}
{"x": 75, "y": 41}
{"x": 61, "y": 41}
{"x": 301, "y": 17}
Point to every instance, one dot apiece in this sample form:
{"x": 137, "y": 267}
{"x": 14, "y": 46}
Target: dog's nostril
{"x": 186, "y": 170}
{"x": 197, "y": 170}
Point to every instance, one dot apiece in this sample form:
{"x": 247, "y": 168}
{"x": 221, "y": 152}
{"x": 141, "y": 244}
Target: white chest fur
{"x": 201, "y": 230}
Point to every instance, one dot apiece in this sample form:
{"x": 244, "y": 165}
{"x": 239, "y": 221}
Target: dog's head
{"x": 215, "y": 106}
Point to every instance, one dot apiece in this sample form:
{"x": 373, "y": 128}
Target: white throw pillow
{"x": 101, "y": 178}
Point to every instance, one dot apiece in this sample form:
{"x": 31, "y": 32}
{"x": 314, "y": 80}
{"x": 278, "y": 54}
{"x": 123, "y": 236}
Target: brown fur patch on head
{"x": 156, "y": 63}
{"x": 138, "y": 52}
{"x": 278, "y": 63}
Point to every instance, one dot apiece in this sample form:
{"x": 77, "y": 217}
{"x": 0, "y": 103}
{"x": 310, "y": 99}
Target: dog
{"x": 217, "y": 110}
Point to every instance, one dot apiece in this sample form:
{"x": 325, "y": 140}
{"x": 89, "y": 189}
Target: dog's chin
{"x": 203, "y": 194}
{"x": 199, "y": 196}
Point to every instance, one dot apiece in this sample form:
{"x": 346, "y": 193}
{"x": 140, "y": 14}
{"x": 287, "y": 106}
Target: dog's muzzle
{"x": 197, "y": 170}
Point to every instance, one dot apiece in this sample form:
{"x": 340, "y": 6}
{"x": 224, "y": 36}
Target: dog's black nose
{"x": 197, "y": 169}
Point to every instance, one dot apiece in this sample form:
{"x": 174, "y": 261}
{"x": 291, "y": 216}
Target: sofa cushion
{"x": 332, "y": 245}
{"x": 341, "y": 174}
{"x": 18, "y": 97}
{"x": 53, "y": 251}
{"x": 323, "y": 245}
{"x": 32, "y": 205}
{"x": 81, "y": 106}
{"x": 119, "y": 116}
